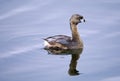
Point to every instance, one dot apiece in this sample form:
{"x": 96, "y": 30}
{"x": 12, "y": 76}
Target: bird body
{"x": 66, "y": 42}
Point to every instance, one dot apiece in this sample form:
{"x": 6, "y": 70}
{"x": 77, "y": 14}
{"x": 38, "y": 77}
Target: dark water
{"x": 24, "y": 23}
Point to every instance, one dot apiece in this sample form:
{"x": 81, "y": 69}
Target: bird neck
{"x": 75, "y": 34}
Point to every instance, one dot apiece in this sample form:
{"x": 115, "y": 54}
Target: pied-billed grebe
{"x": 66, "y": 42}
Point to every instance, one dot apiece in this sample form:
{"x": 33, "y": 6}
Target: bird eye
{"x": 81, "y": 17}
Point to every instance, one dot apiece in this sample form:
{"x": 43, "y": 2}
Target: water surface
{"x": 24, "y": 23}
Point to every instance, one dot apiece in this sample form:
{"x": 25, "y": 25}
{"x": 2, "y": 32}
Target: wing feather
{"x": 62, "y": 39}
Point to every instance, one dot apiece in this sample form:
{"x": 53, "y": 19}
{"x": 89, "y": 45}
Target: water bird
{"x": 63, "y": 42}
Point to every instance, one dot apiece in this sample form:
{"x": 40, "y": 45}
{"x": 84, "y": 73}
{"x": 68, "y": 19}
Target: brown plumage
{"x": 66, "y": 42}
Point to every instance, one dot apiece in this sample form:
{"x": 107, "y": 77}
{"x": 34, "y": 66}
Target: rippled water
{"x": 24, "y": 24}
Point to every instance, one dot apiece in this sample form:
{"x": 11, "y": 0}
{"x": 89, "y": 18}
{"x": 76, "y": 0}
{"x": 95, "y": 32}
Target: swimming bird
{"x": 64, "y": 42}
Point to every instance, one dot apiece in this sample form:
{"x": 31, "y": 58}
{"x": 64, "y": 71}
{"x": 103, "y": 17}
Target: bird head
{"x": 76, "y": 18}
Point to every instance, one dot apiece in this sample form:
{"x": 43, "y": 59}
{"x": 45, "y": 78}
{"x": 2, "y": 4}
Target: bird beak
{"x": 82, "y": 20}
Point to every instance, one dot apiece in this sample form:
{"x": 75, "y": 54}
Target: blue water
{"x": 24, "y": 23}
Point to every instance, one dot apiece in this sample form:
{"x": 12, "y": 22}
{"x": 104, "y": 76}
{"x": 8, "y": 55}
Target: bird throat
{"x": 75, "y": 34}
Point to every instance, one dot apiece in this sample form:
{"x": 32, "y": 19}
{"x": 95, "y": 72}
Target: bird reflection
{"x": 75, "y": 55}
